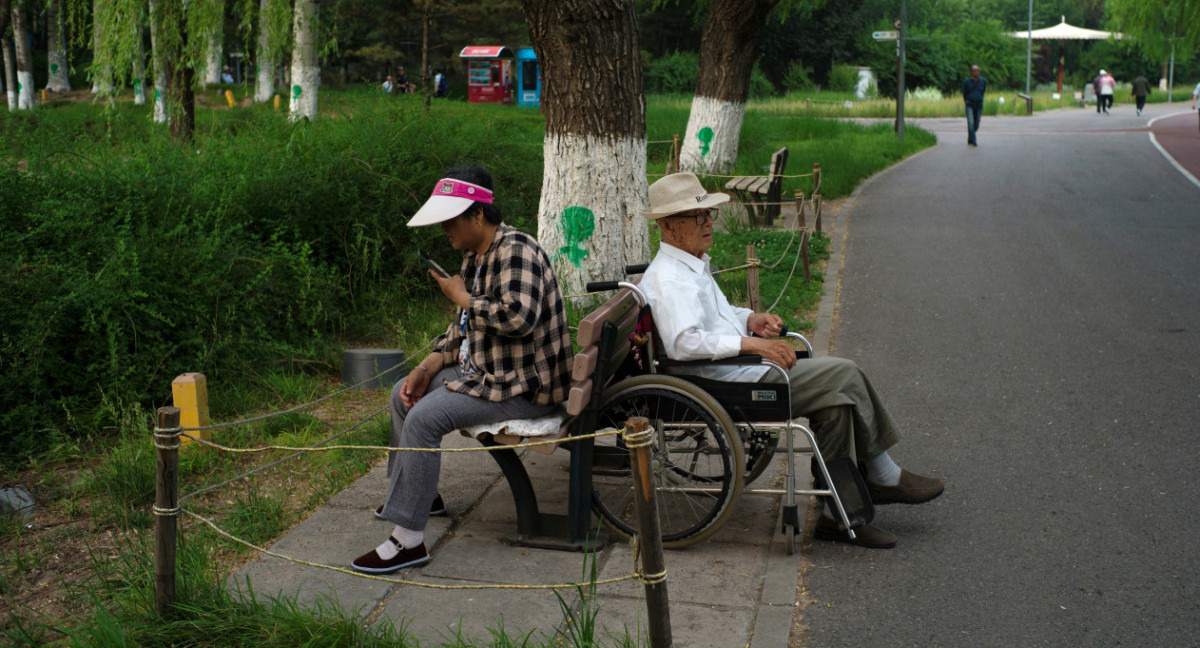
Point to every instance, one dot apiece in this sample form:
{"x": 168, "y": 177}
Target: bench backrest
{"x": 622, "y": 312}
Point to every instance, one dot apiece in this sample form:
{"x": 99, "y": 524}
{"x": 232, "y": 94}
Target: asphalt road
{"x": 1030, "y": 310}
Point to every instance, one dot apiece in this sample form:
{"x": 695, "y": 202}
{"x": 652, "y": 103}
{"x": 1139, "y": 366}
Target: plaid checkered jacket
{"x": 516, "y": 325}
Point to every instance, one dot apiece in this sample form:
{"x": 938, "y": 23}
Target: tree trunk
{"x": 10, "y": 72}
{"x": 24, "y": 57}
{"x": 139, "y": 67}
{"x": 264, "y": 72}
{"x": 306, "y": 72}
{"x": 594, "y": 183}
{"x": 167, "y": 21}
{"x": 728, "y": 49}
{"x": 102, "y": 83}
{"x": 156, "y": 58}
{"x": 56, "y": 45}
{"x": 215, "y": 46}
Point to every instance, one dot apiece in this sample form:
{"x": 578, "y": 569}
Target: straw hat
{"x": 677, "y": 193}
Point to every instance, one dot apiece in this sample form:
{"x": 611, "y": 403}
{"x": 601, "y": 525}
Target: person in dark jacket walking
{"x": 972, "y": 91}
{"x": 1141, "y": 90}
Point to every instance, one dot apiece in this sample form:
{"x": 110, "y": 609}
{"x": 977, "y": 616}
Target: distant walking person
{"x": 1105, "y": 84}
{"x": 972, "y": 91}
{"x": 1141, "y": 90}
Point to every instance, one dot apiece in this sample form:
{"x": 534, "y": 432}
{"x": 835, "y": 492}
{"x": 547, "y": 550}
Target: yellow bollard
{"x": 190, "y": 394}
{"x": 229, "y": 97}
{"x": 43, "y": 95}
{"x": 276, "y": 103}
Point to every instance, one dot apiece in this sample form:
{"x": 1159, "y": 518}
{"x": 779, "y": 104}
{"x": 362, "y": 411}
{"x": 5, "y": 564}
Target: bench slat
{"x": 581, "y": 393}
{"x": 759, "y": 186}
{"x": 616, "y": 310}
{"x": 584, "y": 364}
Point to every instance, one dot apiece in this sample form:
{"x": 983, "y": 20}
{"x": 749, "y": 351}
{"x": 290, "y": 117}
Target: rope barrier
{"x": 716, "y": 175}
{"x": 303, "y": 406}
{"x": 526, "y": 444}
{"x": 792, "y": 273}
{"x": 399, "y": 581}
{"x": 264, "y": 467}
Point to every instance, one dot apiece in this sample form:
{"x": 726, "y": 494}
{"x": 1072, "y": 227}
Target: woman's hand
{"x": 454, "y": 288}
{"x": 415, "y": 385}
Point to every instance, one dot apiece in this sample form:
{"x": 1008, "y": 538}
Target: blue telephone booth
{"x": 529, "y": 78}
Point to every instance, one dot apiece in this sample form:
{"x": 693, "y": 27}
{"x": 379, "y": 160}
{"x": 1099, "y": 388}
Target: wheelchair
{"x": 712, "y": 438}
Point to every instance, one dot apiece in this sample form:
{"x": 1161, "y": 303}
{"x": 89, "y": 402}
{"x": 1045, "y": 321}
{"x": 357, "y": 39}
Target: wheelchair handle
{"x": 600, "y": 286}
{"x": 783, "y": 332}
{"x": 638, "y": 268}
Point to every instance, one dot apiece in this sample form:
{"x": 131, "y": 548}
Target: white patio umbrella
{"x": 1064, "y": 32}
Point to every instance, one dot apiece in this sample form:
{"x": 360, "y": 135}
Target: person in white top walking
{"x": 1105, "y": 85}
{"x": 697, "y": 322}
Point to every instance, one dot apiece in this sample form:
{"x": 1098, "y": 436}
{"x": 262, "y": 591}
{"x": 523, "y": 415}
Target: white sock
{"x": 407, "y": 539}
{"x": 882, "y": 471}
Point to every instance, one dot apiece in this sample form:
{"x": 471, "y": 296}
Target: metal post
{"x": 1029, "y": 47}
{"x": 900, "y": 70}
{"x": 638, "y": 437}
{"x": 166, "y": 507}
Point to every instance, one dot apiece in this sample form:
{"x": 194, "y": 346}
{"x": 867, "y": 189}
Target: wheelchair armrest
{"x": 735, "y": 361}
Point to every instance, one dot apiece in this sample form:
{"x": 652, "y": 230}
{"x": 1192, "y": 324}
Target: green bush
{"x": 798, "y": 78}
{"x": 672, "y": 74}
{"x": 126, "y": 259}
{"x": 843, "y": 78}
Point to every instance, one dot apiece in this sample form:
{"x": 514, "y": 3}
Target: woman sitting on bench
{"x": 506, "y": 355}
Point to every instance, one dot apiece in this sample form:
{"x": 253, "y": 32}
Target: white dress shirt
{"x": 692, "y": 315}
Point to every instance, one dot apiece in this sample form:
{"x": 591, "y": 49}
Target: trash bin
{"x": 359, "y": 365}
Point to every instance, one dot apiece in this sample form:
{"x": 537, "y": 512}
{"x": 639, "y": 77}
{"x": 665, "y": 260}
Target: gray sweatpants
{"x": 414, "y": 475}
{"x": 845, "y": 412}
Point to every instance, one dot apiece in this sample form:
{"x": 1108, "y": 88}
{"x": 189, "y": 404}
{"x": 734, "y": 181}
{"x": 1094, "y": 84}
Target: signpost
{"x": 885, "y": 35}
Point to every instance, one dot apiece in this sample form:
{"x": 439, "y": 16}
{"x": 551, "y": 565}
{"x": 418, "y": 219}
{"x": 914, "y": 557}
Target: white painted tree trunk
{"x": 102, "y": 84}
{"x": 306, "y": 72}
{"x": 160, "y": 73}
{"x": 212, "y": 59}
{"x": 10, "y": 73}
{"x": 56, "y": 46}
{"x": 139, "y": 69}
{"x": 710, "y": 144}
{"x": 24, "y": 57}
{"x": 264, "y": 73}
{"x": 597, "y": 184}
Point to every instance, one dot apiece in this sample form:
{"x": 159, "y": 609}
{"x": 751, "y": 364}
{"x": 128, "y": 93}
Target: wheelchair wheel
{"x": 758, "y": 446}
{"x": 696, "y": 463}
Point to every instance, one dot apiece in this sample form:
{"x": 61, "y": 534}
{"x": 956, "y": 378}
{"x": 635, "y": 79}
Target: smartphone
{"x": 433, "y": 265}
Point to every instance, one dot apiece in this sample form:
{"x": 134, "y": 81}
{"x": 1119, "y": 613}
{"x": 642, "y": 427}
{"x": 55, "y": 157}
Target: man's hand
{"x": 415, "y": 385}
{"x": 777, "y": 351}
{"x": 765, "y": 324}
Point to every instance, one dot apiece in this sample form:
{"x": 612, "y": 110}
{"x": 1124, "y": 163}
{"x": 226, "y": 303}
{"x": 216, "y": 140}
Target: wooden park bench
{"x": 761, "y": 195}
{"x": 603, "y": 338}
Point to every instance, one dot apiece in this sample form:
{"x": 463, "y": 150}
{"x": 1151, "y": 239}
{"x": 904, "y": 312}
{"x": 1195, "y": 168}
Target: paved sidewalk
{"x": 739, "y": 588}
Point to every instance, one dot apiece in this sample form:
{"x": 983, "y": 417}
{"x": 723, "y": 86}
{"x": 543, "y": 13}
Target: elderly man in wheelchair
{"x": 694, "y": 321}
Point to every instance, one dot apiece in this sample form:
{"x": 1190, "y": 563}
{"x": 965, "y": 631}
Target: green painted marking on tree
{"x": 296, "y": 92}
{"x": 705, "y": 136}
{"x": 19, "y": 86}
{"x": 257, "y": 70}
{"x": 576, "y": 225}
{"x": 54, "y": 68}
{"x": 137, "y": 85}
{"x": 157, "y": 96}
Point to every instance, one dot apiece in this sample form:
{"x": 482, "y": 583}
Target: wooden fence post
{"x": 817, "y": 212}
{"x": 752, "y": 279}
{"x": 166, "y": 507}
{"x": 675, "y": 155}
{"x": 638, "y": 438}
{"x": 800, "y": 224}
{"x": 816, "y": 178}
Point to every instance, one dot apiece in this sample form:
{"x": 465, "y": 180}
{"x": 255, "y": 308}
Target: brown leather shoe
{"x": 868, "y": 535}
{"x": 912, "y": 489}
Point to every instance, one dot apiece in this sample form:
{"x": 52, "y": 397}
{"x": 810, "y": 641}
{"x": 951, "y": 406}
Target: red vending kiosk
{"x": 489, "y": 73}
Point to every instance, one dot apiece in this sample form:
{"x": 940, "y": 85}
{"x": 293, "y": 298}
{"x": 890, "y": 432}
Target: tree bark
{"x": 594, "y": 183}
{"x": 264, "y": 72}
{"x": 102, "y": 83}
{"x": 10, "y": 72}
{"x": 306, "y": 72}
{"x": 160, "y": 74}
{"x": 139, "y": 67}
{"x": 24, "y": 57}
{"x": 728, "y": 49}
{"x": 56, "y": 46}
{"x": 167, "y": 24}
